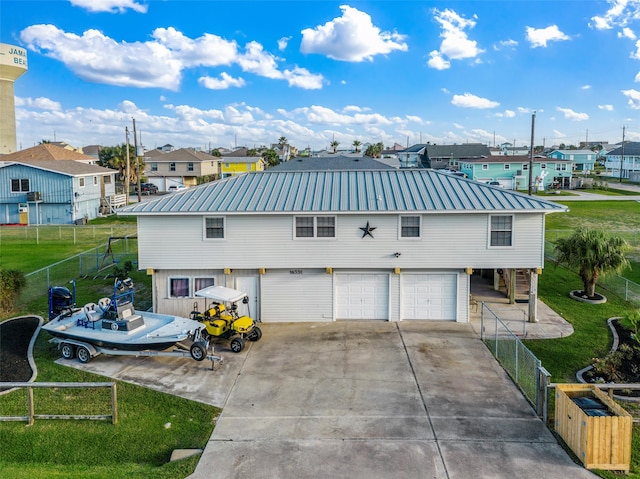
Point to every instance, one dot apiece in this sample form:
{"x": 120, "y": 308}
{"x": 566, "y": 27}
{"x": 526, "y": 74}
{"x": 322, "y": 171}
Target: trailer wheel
{"x": 67, "y": 351}
{"x": 198, "y": 351}
{"x": 255, "y": 334}
{"x": 237, "y": 344}
{"x": 84, "y": 356}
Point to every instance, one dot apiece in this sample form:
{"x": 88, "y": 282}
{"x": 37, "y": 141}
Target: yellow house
{"x": 231, "y": 166}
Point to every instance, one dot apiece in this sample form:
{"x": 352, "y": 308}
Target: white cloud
{"x": 636, "y": 54}
{"x": 512, "y": 44}
{"x": 569, "y": 114}
{"x": 437, "y": 61}
{"x": 558, "y": 134}
{"x": 458, "y": 126}
{"x": 158, "y": 63}
{"x": 163, "y": 98}
{"x": 585, "y": 87}
{"x": 479, "y": 135}
{"x": 283, "y": 42}
{"x": 633, "y": 98}
{"x": 605, "y": 107}
{"x": 413, "y": 118}
{"x": 472, "y": 101}
{"x": 39, "y": 103}
{"x": 112, "y": 6}
{"x": 620, "y": 13}
{"x": 350, "y": 108}
{"x": 455, "y": 43}
{"x": 627, "y": 33}
{"x": 225, "y": 81}
{"x": 506, "y": 114}
{"x": 538, "y": 37}
{"x": 352, "y": 38}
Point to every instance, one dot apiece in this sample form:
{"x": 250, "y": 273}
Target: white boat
{"x": 113, "y": 323}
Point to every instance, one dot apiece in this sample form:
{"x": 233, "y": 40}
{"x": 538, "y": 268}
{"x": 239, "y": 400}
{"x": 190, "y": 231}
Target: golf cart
{"x": 221, "y": 318}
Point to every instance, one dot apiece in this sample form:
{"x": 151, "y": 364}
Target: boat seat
{"x": 92, "y": 313}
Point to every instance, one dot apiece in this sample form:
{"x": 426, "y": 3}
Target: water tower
{"x": 13, "y": 63}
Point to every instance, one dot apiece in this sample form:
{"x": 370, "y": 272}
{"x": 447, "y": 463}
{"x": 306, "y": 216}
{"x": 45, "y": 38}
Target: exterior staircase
{"x": 522, "y": 284}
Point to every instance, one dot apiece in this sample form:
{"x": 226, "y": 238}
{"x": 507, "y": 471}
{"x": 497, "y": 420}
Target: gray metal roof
{"x": 329, "y": 163}
{"x": 381, "y": 191}
{"x": 631, "y": 148}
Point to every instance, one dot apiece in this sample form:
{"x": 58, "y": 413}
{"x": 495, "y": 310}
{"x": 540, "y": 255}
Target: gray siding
{"x": 449, "y": 241}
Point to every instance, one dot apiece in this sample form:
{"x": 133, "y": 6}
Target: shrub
{"x": 11, "y": 283}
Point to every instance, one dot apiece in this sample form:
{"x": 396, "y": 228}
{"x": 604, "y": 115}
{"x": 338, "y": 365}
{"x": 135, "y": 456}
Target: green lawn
{"x": 150, "y": 425}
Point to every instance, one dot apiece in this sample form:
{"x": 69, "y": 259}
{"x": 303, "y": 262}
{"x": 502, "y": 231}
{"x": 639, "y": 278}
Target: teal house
{"x": 583, "y": 160}
{"x": 512, "y": 172}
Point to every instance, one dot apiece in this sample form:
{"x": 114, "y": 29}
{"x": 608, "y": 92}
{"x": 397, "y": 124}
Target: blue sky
{"x": 224, "y": 73}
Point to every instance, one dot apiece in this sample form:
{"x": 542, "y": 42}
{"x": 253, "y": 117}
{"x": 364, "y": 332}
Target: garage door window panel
{"x": 501, "y": 234}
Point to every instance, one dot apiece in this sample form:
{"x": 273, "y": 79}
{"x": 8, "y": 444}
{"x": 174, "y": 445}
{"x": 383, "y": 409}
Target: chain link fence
{"x": 69, "y": 233}
{"x": 521, "y": 364}
{"x": 623, "y": 287}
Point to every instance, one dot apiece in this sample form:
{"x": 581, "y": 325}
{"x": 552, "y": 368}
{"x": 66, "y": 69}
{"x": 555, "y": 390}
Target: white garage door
{"x": 429, "y": 296}
{"x": 362, "y": 296}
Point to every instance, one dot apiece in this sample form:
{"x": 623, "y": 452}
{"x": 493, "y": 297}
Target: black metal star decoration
{"x": 367, "y": 230}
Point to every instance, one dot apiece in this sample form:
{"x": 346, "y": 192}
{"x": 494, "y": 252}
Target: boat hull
{"x": 157, "y": 331}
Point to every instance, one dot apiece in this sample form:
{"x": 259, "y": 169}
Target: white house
{"x": 337, "y": 245}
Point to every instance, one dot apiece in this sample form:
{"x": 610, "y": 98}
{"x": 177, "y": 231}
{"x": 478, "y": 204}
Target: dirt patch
{"x": 15, "y": 336}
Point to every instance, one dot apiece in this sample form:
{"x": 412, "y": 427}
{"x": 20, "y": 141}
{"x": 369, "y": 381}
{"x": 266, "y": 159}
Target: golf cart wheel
{"x": 237, "y": 344}
{"x": 255, "y": 334}
{"x": 84, "y": 356}
{"x": 67, "y": 350}
{"x": 199, "y": 351}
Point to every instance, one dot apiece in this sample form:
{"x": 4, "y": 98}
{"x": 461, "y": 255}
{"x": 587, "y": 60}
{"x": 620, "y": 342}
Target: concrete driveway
{"x": 362, "y": 399}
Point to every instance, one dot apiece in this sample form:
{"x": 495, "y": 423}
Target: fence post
{"x": 542, "y": 393}
{"x": 114, "y": 404}
{"x": 31, "y": 418}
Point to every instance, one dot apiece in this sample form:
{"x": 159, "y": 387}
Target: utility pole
{"x": 135, "y": 143}
{"x": 533, "y": 125}
{"x": 621, "y": 156}
{"x": 126, "y": 173}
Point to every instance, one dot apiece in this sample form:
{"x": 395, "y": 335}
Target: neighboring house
{"x": 510, "y": 150}
{"x": 583, "y": 160}
{"x": 440, "y": 156}
{"x": 54, "y": 191}
{"x": 338, "y": 245}
{"x": 512, "y": 172}
{"x": 331, "y": 163}
{"x": 93, "y": 151}
{"x": 232, "y": 166}
{"x": 180, "y": 167}
{"x": 166, "y": 148}
{"x": 48, "y": 151}
{"x": 627, "y": 155}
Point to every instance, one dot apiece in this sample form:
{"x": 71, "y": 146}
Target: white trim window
{"x": 410, "y": 226}
{"x": 314, "y": 226}
{"x": 179, "y": 287}
{"x": 214, "y": 227}
{"x": 20, "y": 185}
{"x": 501, "y": 231}
{"x": 485, "y": 166}
{"x": 201, "y": 282}
{"x": 81, "y": 182}
{"x": 507, "y": 166}
{"x": 543, "y": 166}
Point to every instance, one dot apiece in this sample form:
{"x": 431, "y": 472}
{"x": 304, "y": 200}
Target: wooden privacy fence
{"x": 31, "y": 417}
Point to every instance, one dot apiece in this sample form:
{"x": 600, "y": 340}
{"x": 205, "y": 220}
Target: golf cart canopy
{"x": 221, "y": 294}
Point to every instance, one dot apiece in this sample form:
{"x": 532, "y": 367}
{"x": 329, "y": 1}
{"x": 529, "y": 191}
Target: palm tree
{"x": 282, "y": 141}
{"x": 334, "y": 144}
{"x": 356, "y": 144}
{"x": 594, "y": 254}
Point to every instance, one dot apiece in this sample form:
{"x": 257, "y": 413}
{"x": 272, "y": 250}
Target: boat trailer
{"x": 70, "y": 348}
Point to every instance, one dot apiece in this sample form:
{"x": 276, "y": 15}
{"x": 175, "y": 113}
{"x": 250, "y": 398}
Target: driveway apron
{"x": 368, "y": 399}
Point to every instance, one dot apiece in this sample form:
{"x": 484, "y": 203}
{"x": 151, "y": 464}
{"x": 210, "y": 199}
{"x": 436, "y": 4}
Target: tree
{"x": 282, "y": 141}
{"x": 12, "y": 282}
{"x": 334, "y": 144}
{"x": 594, "y": 254}
{"x": 374, "y": 151}
{"x": 215, "y": 152}
{"x": 115, "y": 157}
{"x": 271, "y": 157}
{"x": 356, "y": 144}
{"x": 252, "y": 152}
